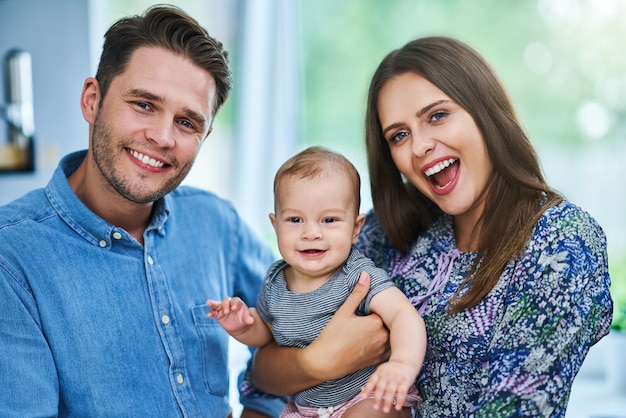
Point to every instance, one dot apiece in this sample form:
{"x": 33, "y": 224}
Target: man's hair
{"x": 315, "y": 161}
{"x": 167, "y": 27}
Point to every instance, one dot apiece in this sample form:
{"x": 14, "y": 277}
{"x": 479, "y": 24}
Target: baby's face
{"x": 316, "y": 223}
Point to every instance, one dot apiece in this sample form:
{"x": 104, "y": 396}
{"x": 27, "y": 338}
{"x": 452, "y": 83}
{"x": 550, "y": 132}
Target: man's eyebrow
{"x": 146, "y": 95}
{"x": 197, "y": 118}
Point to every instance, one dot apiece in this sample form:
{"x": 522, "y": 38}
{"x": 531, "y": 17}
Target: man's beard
{"x": 106, "y": 157}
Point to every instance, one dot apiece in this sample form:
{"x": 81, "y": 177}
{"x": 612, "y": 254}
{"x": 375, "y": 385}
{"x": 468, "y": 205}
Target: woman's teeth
{"x": 442, "y": 165}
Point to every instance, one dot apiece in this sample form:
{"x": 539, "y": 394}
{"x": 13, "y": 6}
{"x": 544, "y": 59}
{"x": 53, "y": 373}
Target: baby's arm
{"x": 392, "y": 379}
{"x": 241, "y": 322}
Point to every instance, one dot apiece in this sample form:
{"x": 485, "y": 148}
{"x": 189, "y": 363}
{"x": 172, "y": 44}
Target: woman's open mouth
{"x": 442, "y": 174}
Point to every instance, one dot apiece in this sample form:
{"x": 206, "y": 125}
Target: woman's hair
{"x": 517, "y": 192}
{"x": 167, "y": 27}
{"x": 315, "y": 161}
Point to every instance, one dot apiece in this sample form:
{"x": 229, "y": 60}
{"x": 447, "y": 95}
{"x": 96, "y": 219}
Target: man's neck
{"x": 101, "y": 199}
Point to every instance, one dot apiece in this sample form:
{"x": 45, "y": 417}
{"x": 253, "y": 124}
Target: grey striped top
{"x": 298, "y": 318}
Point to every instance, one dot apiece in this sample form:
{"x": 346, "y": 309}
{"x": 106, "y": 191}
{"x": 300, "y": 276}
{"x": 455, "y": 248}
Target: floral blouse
{"x": 517, "y": 352}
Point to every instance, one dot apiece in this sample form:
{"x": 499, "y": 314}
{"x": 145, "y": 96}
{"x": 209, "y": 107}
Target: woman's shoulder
{"x": 567, "y": 232}
{"x": 569, "y": 220}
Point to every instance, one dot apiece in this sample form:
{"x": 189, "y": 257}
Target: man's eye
{"x": 143, "y": 105}
{"x": 186, "y": 124}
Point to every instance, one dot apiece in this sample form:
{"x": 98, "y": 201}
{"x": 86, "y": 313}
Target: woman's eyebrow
{"x": 430, "y": 106}
{"x": 418, "y": 114}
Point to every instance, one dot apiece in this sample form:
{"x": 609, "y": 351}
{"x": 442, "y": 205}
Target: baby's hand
{"x": 232, "y": 313}
{"x": 390, "y": 383}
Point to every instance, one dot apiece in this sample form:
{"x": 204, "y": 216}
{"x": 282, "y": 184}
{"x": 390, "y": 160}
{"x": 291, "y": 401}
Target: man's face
{"x": 149, "y": 128}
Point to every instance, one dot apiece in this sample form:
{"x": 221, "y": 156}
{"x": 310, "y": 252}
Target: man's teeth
{"x": 439, "y": 166}
{"x": 146, "y": 160}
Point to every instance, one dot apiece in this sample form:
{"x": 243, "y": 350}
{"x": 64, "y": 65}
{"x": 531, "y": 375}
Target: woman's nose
{"x": 422, "y": 144}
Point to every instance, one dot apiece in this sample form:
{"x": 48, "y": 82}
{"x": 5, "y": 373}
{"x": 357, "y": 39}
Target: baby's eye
{"x": 328, "y": 220}
{"x": 294, "y": 219}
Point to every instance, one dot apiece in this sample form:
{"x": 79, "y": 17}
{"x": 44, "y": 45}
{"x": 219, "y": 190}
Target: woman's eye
{"x": 438, "y": 115}
{"x": 398, "y": 137}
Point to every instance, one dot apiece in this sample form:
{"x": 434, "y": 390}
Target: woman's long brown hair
{"x": 517, "y": 191}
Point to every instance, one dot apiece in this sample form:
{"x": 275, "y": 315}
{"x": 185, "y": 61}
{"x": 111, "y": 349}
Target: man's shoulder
{"x": 30, "y": 207}
{"x": 201, "y": 196}
{"x": 204, "y": 208}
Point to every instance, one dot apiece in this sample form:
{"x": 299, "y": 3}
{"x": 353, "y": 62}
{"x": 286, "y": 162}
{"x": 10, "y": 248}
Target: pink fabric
{"x": 292, "y": 410}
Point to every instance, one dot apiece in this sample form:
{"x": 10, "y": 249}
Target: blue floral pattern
{"x": 517, "y": 352}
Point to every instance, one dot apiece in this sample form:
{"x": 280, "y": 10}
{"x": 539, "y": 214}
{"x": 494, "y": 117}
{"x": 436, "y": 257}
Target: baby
{"x": 317, "y": 220}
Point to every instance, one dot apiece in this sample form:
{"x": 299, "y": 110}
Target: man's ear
{"x": 90, "y": 99}
{"x": 358, "y": 225}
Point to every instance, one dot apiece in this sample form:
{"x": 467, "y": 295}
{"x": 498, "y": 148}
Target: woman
{"x": 511, "y": 280}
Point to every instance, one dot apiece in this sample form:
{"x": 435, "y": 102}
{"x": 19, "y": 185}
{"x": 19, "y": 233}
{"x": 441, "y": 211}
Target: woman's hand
{"x": 348, "y": 342}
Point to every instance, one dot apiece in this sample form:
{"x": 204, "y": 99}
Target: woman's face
{"x": 436, "y": 145}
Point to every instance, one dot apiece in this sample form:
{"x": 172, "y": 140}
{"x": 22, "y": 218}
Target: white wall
{"x": 55, "y": 34}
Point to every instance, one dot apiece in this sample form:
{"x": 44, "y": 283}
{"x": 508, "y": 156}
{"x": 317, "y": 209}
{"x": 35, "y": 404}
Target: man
{"x": 104, "y": 273}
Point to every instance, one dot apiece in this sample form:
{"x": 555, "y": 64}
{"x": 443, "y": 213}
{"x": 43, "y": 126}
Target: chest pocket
{"x": 214, "y": 351}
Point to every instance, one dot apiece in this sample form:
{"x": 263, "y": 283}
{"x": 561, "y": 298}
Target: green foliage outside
{"x": 554, "y": 61}
{"x": 617, "y": 270}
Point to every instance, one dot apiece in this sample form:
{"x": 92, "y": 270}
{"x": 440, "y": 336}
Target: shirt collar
{"x": 78, "y": 216}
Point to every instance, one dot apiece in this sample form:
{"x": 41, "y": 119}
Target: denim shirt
{"x": 95, "y": 324}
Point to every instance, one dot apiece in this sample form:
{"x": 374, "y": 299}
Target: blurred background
{"x": 301, "y": 70}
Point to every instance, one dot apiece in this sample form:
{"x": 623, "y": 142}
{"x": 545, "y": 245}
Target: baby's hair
{"x": 315, "y": 161}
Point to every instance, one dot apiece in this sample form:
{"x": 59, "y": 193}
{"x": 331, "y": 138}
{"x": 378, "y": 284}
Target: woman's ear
{"x": 90, "y": 99}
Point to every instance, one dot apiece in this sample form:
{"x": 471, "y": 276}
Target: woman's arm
{"x": 347, "y": 343}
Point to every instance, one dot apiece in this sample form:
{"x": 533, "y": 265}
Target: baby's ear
{"x": 358, "y": 225}
{"x": 272, "y": 219}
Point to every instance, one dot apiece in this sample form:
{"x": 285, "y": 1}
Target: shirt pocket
{"x": 214, "y": 350}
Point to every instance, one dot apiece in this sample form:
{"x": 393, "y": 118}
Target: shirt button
{"x": 165, "y": 319}
{"x": 179, "y": 379}
{"x": 117, "y": 235}
{"x": 103, "y": 243}
{"x": 150, "y": 260}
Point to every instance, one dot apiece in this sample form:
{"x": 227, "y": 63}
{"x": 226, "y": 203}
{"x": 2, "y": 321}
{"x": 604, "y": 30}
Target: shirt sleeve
{"x": 252, "y": 398}
{"x": 26, "y": 364}
{"x": 558, "y": 306}
{"x": 250, "y": 259}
